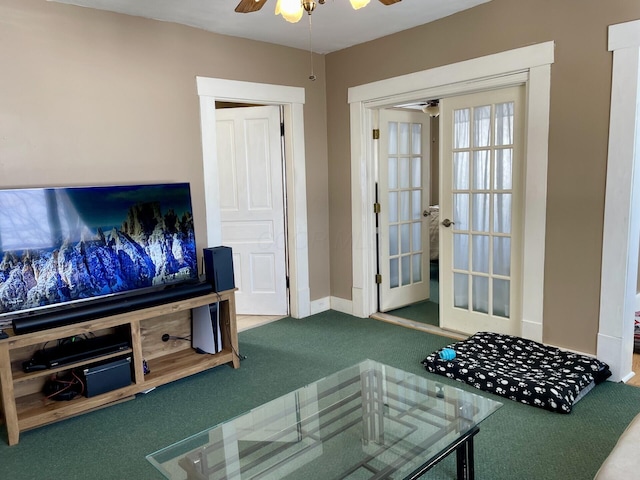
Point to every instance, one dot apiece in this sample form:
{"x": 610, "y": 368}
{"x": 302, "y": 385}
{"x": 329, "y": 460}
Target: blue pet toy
{"x": 447, "y": 354}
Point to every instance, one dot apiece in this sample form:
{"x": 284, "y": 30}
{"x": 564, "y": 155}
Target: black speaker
{"x": 218, "y": 268}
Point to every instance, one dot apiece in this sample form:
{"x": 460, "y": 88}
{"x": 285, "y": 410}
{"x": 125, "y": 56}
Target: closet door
{"x": 252, "y": 206}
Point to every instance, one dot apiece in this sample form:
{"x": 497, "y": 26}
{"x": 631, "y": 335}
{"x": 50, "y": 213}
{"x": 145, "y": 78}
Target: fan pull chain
{"x": 312, "y": 77}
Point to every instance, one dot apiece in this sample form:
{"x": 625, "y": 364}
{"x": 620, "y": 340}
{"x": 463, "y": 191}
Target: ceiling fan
{"x": 292, "y": 11}
{"x": 248, "y": 6}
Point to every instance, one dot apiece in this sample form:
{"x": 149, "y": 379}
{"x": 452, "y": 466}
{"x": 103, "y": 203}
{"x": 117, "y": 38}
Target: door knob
{"x": 447, "y": 223}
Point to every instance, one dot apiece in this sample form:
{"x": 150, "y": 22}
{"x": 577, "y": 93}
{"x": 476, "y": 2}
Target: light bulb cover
{"x": 432, "y": 109}
{"x": 291, "y": 10}
{"x": 357, "y": 4}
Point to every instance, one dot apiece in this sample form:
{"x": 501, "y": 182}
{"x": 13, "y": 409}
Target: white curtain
{"x": 482, "y": 168}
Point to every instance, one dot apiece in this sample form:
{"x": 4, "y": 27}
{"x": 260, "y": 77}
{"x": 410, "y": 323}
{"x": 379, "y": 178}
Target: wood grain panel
{"x": 176, "y": 324}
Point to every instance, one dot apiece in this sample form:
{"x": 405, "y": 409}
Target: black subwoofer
{"x": 218, "y": 268}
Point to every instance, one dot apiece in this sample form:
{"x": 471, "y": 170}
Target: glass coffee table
{"x": 369, "y": 421}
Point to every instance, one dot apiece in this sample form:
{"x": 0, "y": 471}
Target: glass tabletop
{"x": 367, "y": 421}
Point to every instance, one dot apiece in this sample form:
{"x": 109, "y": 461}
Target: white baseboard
{"x": 332, "y": 303}
{"x": 628, "y": 377}
{"x": 565, "y": 349}
{"x": 531, "y": 331}
{"x": 320, "y": 305}
{"x": 342, "y": 305}
{"x": 637, "y": 302}
{"x": 617, "y": 355}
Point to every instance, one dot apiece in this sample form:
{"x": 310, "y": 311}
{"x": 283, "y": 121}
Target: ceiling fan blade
{"x": 248, "y": 6}
{"x": 389, "y": 2}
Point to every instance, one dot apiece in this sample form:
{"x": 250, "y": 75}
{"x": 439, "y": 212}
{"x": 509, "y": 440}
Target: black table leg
{"x": 463, "y": 447}
{"x": 464, "y": 457}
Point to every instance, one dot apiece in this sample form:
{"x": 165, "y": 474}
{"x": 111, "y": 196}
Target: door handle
{"x": 447, "y": 223}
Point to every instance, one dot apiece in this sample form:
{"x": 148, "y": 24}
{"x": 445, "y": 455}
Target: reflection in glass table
{"x": 369, "y": 421}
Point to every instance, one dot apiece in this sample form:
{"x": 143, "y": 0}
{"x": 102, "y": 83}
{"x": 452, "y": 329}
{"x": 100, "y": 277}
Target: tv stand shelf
{"x": 25, "y": 407}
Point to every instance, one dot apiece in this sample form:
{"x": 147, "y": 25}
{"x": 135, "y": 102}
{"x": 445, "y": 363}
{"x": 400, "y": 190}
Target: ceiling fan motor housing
{"x": 309, "y": 5}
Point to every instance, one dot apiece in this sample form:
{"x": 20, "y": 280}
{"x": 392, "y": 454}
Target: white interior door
{"x": 403, "y": 193}
{"x": 481, "y": 211}
{"x": 252, "y": 206}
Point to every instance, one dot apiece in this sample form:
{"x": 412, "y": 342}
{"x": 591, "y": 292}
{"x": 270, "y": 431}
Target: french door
{"x": 403, "y": 195}
{"x": 481, "y": 213}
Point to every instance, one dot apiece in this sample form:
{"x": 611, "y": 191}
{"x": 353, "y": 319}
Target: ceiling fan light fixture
{"x": 432, "y": 108}
{"x": 357, "y": 4}
{"x": 291, "y": 10}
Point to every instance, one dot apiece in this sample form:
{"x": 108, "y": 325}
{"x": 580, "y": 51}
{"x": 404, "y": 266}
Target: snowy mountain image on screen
{"x": 89, "y": 256}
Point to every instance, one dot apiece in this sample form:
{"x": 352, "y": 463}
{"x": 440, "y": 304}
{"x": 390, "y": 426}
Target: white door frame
{"x": 621, "y": 231}
{"x": 292, "y": 99}
{"x": 530, "y": 65}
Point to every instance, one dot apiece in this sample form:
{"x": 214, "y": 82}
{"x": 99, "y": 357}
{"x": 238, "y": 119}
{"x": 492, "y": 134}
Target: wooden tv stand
{"x": 24, "y": 406}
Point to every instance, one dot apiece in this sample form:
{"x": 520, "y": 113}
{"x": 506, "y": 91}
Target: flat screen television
{"x": 61, "y": 246}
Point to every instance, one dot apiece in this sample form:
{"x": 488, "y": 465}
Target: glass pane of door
{"x": 405, "y": 203}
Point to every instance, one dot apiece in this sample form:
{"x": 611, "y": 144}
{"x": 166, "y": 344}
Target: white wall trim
{"x": 627, "y": 377}
{"x": 608, "y": 349}
{"x": 250, "y": 92}
{"x": 363, "y": 291}
{"x": 320, "y": 305}
{"x": 342, "y": 305}
{"x": 531, "y": 330}
{"x": 564, "y": 349}
{"x": 467, "y": 72}
{"x": 292, "y": 99}
{"x": 530, "y": 65}
{"x": 535, "y": 201}
{"x": 621, "y": 231}
{"x": 638, "y": 302}
{"x": 624, "y": 35}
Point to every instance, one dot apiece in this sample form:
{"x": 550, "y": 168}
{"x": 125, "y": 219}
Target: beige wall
{"x": 580, "y": 91}
{"x": 90, "y": 97}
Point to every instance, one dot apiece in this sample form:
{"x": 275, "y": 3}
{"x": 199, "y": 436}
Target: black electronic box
{"x": 107, "y": 376}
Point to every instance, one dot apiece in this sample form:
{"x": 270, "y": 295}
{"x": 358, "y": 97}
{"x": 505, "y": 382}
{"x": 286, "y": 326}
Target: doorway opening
{"x": 253, "y": 204}
{"x": 292, "y": 100}
{"x": 479, "y": 240}
{"x": 528, "y": 65}
{"x": 408, "y": 221}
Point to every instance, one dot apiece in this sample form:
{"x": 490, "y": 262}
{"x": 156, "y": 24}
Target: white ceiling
{"x": 335, "y": 24}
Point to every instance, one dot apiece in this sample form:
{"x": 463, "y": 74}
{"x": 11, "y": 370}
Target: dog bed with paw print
{"x": 521, "y": 370}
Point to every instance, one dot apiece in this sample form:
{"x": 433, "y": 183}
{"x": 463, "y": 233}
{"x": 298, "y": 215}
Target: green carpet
{"x": 518, "y": 441}
{"x": 428, "y": 310}
{"x": 423, "y": 312}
